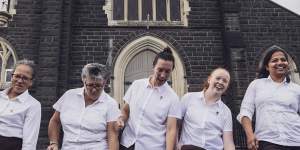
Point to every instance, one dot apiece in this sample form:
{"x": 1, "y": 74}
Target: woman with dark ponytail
{"x": 151, "y": 109}
{"x": 276, "y": 102}
{"x": 262, "y": 70}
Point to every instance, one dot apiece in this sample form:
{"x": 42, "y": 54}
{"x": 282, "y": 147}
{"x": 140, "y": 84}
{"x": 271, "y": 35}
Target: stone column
{"x": 48, "y": 62}
{"x": 236, "y": 60}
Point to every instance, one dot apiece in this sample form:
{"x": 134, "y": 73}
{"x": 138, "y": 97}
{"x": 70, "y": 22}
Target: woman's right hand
{"x": 252, "y": 142}
{"x": 119, "y": 123}
{"x": 52, "y": 147}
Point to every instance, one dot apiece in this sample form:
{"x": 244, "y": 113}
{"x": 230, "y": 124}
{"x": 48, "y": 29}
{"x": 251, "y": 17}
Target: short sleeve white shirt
{"x": 85, "y": 128}
{"x": 20, "y": 117}
{"x": 277, "y": 106}
{"x": 203, "y": 125}
{"x": 149, "y": 109}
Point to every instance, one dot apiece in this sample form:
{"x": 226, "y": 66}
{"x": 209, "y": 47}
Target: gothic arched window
{"x": 7, "y": 61}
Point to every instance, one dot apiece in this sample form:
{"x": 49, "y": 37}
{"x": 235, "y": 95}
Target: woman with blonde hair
{"x": 207, "y": 121}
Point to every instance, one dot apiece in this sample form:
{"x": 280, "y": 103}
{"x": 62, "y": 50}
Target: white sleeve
{"x": 228, "y": 121}
{"x": 129, "y": 93}
{"x": 184, "y": 104}
{"x": 31, "y": 127}
{"x": 299, "y": 105}
{"x": 113, "y": 112}
{"x": 175, "y": 109}
{"x": 58, "y": 105}
{"x": 248, "y": 105}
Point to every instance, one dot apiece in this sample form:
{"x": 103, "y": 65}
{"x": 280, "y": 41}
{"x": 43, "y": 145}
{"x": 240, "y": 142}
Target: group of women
{"x": 88, "y": 114}
{"x": 272, "y": 97}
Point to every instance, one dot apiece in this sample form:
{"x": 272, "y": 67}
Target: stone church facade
{"x": 63, "y": 35}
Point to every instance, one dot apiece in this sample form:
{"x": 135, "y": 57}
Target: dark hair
{"x": 262, "y": 72}
{"x": 166, "y": 54}
{"x": 26, "y": 62}
{"x": 205, "y": 85}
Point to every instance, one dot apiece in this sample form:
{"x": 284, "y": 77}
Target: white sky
{"x": 293, "y": 5}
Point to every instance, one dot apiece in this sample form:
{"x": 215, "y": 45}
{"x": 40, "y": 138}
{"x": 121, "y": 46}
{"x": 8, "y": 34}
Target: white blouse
{"x": 149, "y": 111}
{"x": 277, "y": 108}
{"x": 85, "y": 128}
{"x": 20, "y": 117}
{"x": 203, "y": 125}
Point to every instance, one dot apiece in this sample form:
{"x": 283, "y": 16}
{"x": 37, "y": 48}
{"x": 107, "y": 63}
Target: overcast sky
{"x": 293, "y": 5}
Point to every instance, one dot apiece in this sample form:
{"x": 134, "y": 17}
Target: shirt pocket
{"x": 195, "y": 116}
{"x": 263, "y": 96}
{"x": 288, "y": 100}
{"x": 94, "y": 120}
{"x": 159, "y": 110}
{"x": 215, "y": 122}
{"x": 137, "y": 103}
{"x": 70, "y": 116}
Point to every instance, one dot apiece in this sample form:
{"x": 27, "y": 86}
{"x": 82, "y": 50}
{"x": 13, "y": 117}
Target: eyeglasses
{"x": 22, "y": 77}
{"x": 94, "y": 85}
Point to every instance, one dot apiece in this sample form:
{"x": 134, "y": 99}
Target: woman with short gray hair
{"x": 87, "y": 115}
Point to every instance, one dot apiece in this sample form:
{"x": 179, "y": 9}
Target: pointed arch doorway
{"x": 135, "y": 62}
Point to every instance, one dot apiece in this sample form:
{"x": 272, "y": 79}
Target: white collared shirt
{"x": 85, "y": 128}
{"x": 276, "y": 106}
{"x": 149, "y": 110}
{"x": 20, "y": 117}
{"x": 203, "y": 125}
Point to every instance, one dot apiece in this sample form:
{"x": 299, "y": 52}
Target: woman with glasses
{"x": 87, "y": 115}
{"x": 20, "y": 113}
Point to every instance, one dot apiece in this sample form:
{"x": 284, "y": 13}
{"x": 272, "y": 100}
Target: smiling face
{"x": 277, "y": 65}
{"x": 21, "y": 80}
{"x": 218, "y": 81}
{"x": 162, "y": 71}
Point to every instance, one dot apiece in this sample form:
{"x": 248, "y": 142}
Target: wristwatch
{"x": 53, "y": 142}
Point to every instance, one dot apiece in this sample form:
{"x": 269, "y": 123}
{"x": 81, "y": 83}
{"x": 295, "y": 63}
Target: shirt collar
{"x": 100, "y": 99}
{"x": 270, "y": 79}
{"x": 22, "y": 97}
{"x": 201, "y": 96}
{"x": 160, "y": 89}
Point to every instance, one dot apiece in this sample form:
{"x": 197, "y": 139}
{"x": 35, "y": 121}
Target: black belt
{"x": 125, "y": 148}
{"x": 191, "y": 147}
{"x": 10, "y": 143}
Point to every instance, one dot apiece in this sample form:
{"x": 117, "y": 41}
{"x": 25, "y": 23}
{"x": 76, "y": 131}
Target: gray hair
{"x": 26, "y": 62}
{"x": 95, "y": 70}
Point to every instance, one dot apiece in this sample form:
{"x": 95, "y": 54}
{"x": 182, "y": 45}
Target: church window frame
{"x": 151, "y": 19}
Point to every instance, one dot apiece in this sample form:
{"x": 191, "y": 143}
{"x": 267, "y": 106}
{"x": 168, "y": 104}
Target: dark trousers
{"x": 10, "y": 143}
{"x": 125, "y": 148}
{"x": 263, "y": 145}
{"x": 191, "y": 147}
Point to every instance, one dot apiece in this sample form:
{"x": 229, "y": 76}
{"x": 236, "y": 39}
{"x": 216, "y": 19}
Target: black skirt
{"x": 263, "y": 145}
{"x": 10, "y": 143}
{"x": 191, "y": 147}
{"x": 125, "y": 148}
